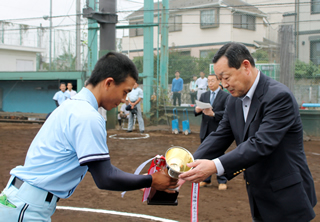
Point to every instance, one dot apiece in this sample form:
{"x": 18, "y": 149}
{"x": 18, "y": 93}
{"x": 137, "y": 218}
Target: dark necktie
{"x": 212, "y": 98}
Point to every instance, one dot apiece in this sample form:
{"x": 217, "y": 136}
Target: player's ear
{"x": 108, "y": 82}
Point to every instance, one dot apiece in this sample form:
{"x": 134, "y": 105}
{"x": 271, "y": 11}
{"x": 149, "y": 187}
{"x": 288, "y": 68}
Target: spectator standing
{"x": 202, "y": 84}
{"x": 61, "y": 95}
{"x": 70, "y": 90}
{"x": 211, "y": 118}
{"x": 135, "y": 97}
{"x": 193, "y": 89}
{"x": 176, "y": 88}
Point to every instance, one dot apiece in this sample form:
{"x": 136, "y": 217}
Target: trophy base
{"x": 157, "y": 197}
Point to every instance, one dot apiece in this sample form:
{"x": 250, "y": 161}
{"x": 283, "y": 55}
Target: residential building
{"x": 197, "y": 27}
{"x": 18, "y": 58}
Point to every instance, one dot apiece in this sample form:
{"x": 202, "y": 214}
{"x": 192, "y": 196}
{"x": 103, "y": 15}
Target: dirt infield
{"x": 230, "y": 205}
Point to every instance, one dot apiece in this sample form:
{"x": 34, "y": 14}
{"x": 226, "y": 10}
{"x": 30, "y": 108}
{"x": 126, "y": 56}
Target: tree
{"x": 261, "y": 56}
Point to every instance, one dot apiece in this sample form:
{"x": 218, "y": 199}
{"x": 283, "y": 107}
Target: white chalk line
{"x": 115, "y": 213}
{"x": 143, "y": 136}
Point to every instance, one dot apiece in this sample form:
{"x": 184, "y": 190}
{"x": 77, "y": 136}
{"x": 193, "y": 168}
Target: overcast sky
{"x": 32, "y": 11}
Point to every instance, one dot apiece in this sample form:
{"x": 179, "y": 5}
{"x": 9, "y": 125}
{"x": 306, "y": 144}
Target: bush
{"x": 305, "y": 70}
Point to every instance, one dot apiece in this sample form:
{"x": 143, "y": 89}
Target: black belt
{"x": 17, "y": 183}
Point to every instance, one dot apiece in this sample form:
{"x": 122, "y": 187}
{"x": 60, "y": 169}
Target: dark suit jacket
{"x": 209, "y": 123}
{"x": 269, "y": 151}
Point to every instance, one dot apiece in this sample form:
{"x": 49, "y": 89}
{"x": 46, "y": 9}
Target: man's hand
{"x": 202, "y": 169}
{"x": 208, "y": 112}
{"x": 162, "y": 181}
{"x": 198, "y": 110}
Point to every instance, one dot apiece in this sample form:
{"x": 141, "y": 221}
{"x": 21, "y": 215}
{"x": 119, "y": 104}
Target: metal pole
{"x": 92, "y": 40}
{"x": 78, "y": 54}
{"x": 158, "y": 67}
{"x": 147, "y": 55}
{"x": 50, "y": 40}
{"x": 164, "y": 56}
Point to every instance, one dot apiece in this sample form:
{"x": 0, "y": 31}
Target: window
{"x": 315, "y": 6}
{"x": 209, "y": 18}
{"x": 208, "y": 52}
{"x": 136, "y": 31}
{"x": 184, "y": 53}
{"x": 24, "y": 65}
{"x": 243, "y": 21}
{"x": 175, "y": 23}
{"x": 315, "y": 52}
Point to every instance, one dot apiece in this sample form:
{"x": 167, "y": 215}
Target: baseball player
{"x": 71, "y": 142}
{"x": 62, "y": 95}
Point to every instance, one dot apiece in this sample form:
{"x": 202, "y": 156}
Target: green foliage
{"x": 187, "y": 65}
{"x": 203, "y": 63}
{"x": 305, "y": 70}
{"x": 64, "y": 62}
{"x": 261, "y": 56}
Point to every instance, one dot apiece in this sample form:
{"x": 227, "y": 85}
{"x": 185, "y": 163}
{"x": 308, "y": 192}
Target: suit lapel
{"x": 207, "y": 97}
{"x": 239, "y": 117}
{"x": 255, "y": 104}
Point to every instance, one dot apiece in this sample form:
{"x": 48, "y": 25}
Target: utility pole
{"x": 108, "y": 20}
{"x": 78, "y": 45}
{"x": 107, "y": 9}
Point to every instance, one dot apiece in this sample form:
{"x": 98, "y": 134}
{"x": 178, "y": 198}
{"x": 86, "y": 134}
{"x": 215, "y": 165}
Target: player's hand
{"x": 208, "y": 112}
{"x": 198, "y": 110}
{"x": 202, "y": 169}
{"x": 162, "y": 181}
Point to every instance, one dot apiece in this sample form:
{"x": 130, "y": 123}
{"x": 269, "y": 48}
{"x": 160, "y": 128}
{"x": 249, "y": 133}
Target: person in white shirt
{"x": 193, "y": 89}
{"x": 61, "y": 95}
{"x": 202, "y": 84}
{"x": 70, "y": 91}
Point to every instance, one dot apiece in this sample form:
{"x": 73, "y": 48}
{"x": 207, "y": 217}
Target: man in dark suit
{"x": 262, "y": 116}
{"x": 211, "y": 118}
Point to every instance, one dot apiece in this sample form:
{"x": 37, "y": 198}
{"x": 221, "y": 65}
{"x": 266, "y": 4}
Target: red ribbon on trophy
{"x": 157, "y": 164}
{"x": 176, "y": 160}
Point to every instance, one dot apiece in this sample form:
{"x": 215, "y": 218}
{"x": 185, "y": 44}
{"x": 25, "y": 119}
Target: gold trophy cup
{"x": 177, "y": 159}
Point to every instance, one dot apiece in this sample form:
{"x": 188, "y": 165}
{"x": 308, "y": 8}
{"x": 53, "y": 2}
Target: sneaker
{"x": 129, "y": 131}
{"x": 204, "y": 184}
{"x": 222, "y": 186}
{"x": 142, "y": 131}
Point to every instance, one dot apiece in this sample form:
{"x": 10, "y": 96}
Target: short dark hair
{"x": 236, "y": 53}
{"x": 213, "y": 74}
{"x": 177, "y": 71}
{"x": 114, "y": 65}
{"x": 63, "y": 83}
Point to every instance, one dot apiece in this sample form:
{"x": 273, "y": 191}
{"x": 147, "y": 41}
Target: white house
{"x": 18, "y": 58}
{"x": 196, "y": 27}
